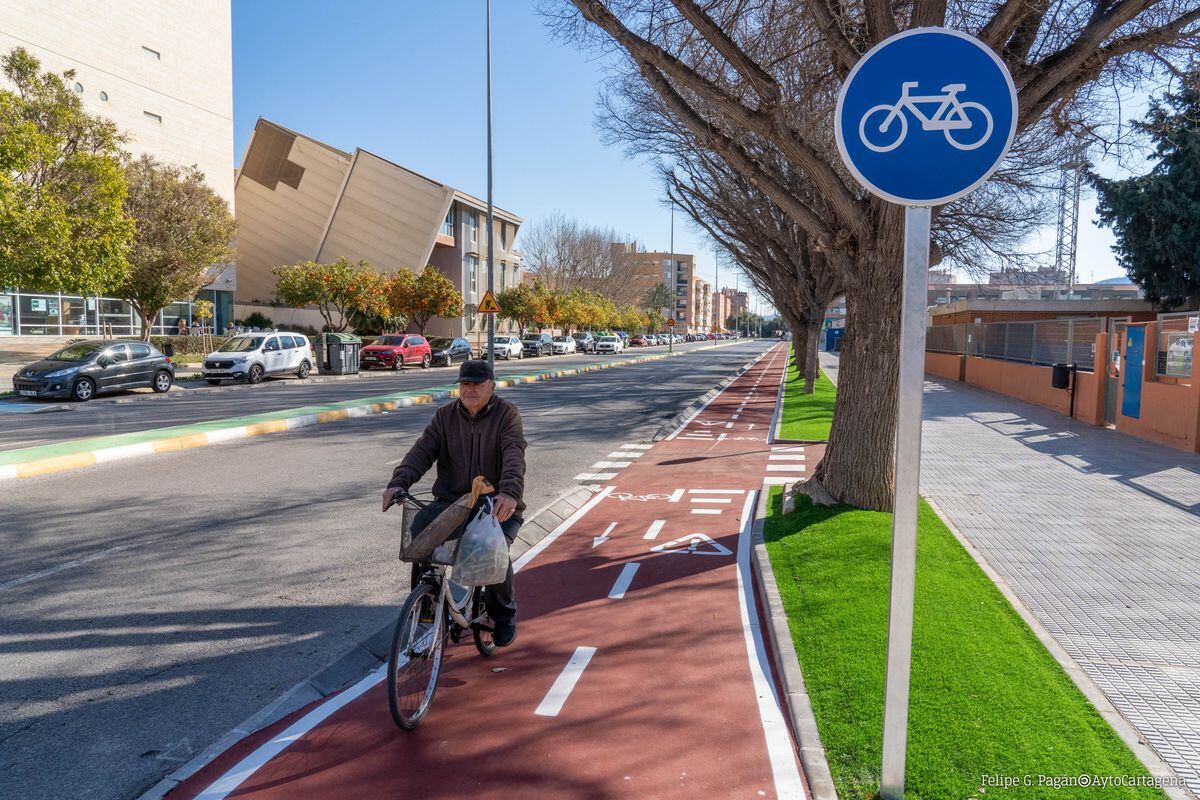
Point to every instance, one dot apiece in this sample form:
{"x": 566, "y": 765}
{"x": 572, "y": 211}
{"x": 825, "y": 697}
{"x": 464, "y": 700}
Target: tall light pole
{"x": 491, "y": 327}
{"x": 674, "y": 283}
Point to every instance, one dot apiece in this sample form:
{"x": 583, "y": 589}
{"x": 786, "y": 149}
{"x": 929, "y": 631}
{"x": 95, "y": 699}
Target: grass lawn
{"x": 807, "y": 417}
{"x": 987, "y": 699}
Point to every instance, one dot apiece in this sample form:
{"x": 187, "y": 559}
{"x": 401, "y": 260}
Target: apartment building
{"x": 692, "y": 310}
{"x": 300, "y": 199}
{"x": 162, "y": 70}
{"x": 722, "y": 308}
{"x": 739, "y": 301}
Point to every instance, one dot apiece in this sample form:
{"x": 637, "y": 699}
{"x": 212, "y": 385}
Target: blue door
{"x": 1131, "y": 379}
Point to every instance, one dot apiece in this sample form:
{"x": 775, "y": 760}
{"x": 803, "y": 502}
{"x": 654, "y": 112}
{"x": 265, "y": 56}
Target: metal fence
{"x": 1175, "y": 344}
{"x": 1040, "y": 343}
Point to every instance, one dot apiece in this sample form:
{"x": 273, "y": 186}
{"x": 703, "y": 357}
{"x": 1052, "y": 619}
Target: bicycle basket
{"x": 424, "y": 548}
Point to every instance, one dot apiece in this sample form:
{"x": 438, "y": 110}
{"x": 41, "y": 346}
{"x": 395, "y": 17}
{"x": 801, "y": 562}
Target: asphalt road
{"x": 27, "y": 423}
{"x": 150, "y": 605}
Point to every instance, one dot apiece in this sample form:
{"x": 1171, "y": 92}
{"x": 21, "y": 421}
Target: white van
{"x": 250, "y": 357}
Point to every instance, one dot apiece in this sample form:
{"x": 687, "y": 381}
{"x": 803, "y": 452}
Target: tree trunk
{"x": 857, "y": 466}
{"x": 142, "y": 315}
{"x": 812, "y": 362}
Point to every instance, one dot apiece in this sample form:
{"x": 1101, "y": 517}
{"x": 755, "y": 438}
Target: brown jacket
{"x": 491, "y": 444}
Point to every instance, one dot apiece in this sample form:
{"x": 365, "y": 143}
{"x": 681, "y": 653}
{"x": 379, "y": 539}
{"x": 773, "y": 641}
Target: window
{"x": 140, "y": 350}
{"x": 503, "y": 236}
{"x": 78, "y": 88}
{"x": 503, "y": 269}
{"x": 157, "y": 56}
{"x": 448, "y": 224}
{"x": 152, "y": 117}
{"x": 118, "y": 353}
{"x": 472, "y": 268}
{"x": 472, "y": 222}
{"x": 288, "y": 342}
{"x": 104, "y": 97}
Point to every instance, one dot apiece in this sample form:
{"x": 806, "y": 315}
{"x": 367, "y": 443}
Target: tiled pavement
{"x": 1098, "y": 533}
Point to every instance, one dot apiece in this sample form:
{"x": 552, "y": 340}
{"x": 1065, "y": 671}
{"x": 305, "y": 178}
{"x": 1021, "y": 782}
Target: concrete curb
{"x": 186, "y": 437}
{"x": 360, "y": 659}
{"x": 787, "y": 663}
{"x": 1144, "y": 752}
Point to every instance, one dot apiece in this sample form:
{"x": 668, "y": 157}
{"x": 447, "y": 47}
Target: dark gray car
{"x": 82, "y": 370}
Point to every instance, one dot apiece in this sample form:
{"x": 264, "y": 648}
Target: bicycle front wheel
{"x": 415, "y": 657}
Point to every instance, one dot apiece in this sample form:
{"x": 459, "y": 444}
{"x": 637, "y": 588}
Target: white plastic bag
{"x": 482, "y": 552}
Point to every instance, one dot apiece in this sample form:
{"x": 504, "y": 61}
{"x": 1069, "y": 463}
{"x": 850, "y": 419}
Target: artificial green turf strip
{"x": 986, "y": 697}
{"x": 807, "y": 417}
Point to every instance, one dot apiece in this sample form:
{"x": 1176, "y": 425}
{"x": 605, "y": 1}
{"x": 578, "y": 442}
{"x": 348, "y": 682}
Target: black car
{"x": 584, "y": 342}
{"x": 447, "y": 351}
{"x": 537, "y": 344}
{"x": 82, "y": 370}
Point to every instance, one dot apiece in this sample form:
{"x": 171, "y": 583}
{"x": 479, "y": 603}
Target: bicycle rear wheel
{"x": 415, "y": 657}
{"x": 479, "y": 617}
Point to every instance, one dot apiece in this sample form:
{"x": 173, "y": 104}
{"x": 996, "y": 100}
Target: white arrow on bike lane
{"x": 604, "y": 537}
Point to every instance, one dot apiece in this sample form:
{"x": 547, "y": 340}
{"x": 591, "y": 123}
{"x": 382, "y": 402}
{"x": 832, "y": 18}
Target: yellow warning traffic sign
{"x": 716, "y": 329}
{"x": 488, "y": 304}
{"x": 671, "y": 322}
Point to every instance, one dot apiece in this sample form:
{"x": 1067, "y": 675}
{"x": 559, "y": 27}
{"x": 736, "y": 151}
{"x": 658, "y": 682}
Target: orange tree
{"x": 338, "y": 290}
{"x": 428, "y": 295}
{"x": 521, "y": 304}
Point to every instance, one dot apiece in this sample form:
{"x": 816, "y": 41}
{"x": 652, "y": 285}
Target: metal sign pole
{"x": 904, "y": 516}
{"x": 491, "y": 269}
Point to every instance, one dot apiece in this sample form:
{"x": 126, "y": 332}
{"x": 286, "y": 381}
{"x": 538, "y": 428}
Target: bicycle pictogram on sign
{"x": 884, "y": 127}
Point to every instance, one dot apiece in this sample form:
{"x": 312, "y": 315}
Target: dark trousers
{"x": 500, "y": 598}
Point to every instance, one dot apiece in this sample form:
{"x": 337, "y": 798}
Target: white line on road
{"x": 561, "y": 529}
{"x": 788, "y": 449}
{"x": 595, "y": 476}
{"x": 779, "y": 742}
{"x": 655, "y": 527}
{"x": 716, "y": 491}
{"x": 553, "y": 702}
{"x": 706, "y": 511}
{"x": 617, "y": 592}
{"x": 46, "y": 573}
{"x": 735, "y": 416}
{"x": 676, "y": 496}
{"x": 636, "y": 446}
{"x": 785, "y": 467}
{"x": 604, "y": 537}
{"x": 725, "y": 500}
{"x": 620, "y": 454}
{"x": 786, "y": 457}
{"x": 779, "y": 480}
{"x": 611, "y": 464}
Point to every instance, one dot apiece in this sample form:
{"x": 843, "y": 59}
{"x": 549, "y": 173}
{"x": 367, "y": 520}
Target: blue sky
{"x": 406, "y": 80}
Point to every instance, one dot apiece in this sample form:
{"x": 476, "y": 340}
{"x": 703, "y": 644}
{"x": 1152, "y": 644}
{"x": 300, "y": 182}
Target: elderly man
{"x": 477, "y": 434}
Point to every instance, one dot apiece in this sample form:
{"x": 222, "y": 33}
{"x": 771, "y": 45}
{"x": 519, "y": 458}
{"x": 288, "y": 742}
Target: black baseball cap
{"x": 475, "y": 370}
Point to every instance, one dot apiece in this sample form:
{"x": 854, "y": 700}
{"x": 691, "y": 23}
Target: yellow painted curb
{"x": 48, "y": 466}
{"x": 260, "y": 428}
{"x": 181, "y": 442}
{"x": 331, "y": 416}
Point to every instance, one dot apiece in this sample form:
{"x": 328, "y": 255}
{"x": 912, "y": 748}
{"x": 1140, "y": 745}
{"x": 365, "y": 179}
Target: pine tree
{"x": 1156, "y": 217}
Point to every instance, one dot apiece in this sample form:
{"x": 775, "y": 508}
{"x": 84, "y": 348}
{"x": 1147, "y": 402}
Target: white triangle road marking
{"x": 691, "y": 545}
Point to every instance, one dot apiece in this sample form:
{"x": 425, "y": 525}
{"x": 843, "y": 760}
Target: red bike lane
{"x": 639, "y": 670}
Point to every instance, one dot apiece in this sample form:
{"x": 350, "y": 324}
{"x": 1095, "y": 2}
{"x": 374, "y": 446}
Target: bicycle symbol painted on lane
{"x": 885, "y": 127}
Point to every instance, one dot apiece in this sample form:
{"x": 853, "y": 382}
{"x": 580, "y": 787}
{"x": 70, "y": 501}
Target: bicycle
{"x": 950, "y": 116}
{"x": 436, "y": 610}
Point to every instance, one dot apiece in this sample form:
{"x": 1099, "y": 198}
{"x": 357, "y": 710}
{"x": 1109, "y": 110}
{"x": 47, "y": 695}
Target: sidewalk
{"x": 639, "y": 670}
{"x": 1098, "y": 533}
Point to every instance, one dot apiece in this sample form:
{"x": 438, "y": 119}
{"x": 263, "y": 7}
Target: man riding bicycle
{"x": 477, "y": 434}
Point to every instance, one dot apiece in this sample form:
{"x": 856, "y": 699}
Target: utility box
{"x": 339, "y": 354}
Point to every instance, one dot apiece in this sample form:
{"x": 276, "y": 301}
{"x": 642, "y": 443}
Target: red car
{"x": 639, "y": 341}
{"x": 395, "y": 350}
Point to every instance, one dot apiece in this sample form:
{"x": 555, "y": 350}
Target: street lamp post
{"x": 491, "y": 326}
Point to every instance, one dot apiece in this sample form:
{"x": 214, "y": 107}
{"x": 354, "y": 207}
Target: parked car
{"x": 624, "y": 337}
{"x": 537, "y": 344}
{"x": 82, "y": 370}
{"x": 610, "y": 344}
{"x": 396, "y": 350}
{"x": 251, "y": 357}
{"x": 562, "y": 345}
{"x": 509, "y": 347}
{"x": 639, "y": 341}
{"x": 447, "y": 351}
{"x": 584, "y": 342}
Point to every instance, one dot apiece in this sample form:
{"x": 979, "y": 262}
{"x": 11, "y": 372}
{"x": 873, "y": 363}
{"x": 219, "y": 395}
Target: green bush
{"x": 258, "y": 320}
{"x": 187, "y": 345}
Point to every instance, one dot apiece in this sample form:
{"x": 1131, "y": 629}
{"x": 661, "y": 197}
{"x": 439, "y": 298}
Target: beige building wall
{"x": 678, "y": 272}
{"x": 299, "y": 200}
{"x": 162, "y": 70}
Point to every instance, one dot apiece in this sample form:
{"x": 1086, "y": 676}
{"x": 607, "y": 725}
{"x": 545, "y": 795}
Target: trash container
{"x": 1060, "y": 376}
{"x": 339, "y": 354}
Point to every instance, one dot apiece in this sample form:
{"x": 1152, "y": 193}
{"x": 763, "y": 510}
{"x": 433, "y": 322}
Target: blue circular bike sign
{"x": 926, "y": 116}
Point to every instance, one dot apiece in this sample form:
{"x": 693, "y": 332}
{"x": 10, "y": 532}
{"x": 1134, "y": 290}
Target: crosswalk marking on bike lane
{"x": 556, "y": 698}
